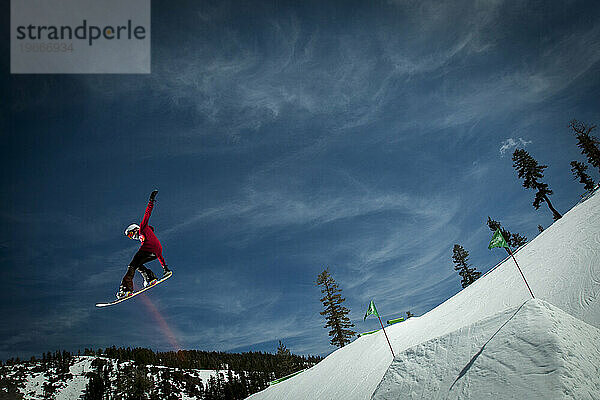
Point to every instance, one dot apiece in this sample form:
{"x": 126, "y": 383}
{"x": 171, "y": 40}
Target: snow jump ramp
{"x": 535, "y": 351}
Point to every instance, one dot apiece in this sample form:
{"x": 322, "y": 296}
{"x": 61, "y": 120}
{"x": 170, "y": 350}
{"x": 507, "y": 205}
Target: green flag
{"x": 371, "y": 310}
{"x": 497, "y": 240}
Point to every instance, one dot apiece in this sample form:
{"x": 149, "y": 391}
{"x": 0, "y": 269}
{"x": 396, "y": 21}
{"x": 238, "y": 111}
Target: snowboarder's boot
{"x": 149, "y": 278}
{"x": 123, "y": 292}
{"x": 166, "y": 270}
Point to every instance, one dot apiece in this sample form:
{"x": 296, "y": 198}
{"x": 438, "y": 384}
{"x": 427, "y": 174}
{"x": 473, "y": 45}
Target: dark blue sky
{"x": 284, "y": 137}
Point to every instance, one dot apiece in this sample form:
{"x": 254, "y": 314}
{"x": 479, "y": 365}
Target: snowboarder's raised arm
{"x": 148, "y": 209}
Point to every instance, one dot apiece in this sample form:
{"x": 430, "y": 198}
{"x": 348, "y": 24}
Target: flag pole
{"x": 372, "y": 310}
{"x": 499, "y": 241}
{"x": 386, "y": 336}
{"x": 519, "y": 268}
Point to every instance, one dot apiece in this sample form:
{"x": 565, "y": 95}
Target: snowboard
{"x": 132, "y": 295}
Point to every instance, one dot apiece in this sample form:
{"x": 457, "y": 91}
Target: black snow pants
{"x": 138, "y": 261}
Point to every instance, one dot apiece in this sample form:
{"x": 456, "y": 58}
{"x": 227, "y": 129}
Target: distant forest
{"x": 196, "y": 359}
{"x": 242, "y": 374}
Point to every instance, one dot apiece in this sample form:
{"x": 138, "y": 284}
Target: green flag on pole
{"x": 497, "y": 240}
{"x": 371, "y": 310}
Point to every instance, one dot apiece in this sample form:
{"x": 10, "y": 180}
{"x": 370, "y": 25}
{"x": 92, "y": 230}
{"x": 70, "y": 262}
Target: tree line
{"x": 197, "y": 359}
{"x": 136, "y": 382}
{"x": 241, "y": 374}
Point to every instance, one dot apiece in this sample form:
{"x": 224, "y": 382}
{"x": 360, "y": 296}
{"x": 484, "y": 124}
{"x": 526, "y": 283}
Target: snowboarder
{"x": 150, "y": 250}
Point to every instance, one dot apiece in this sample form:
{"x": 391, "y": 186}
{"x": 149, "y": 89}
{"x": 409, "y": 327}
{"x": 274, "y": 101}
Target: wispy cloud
{"x": 272, "y": 208}
{"x": 234, "y": 88}
{"x": 512, "y": 143}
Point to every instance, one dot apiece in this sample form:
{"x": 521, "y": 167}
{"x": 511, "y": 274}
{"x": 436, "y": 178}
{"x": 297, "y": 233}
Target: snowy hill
{"x": 490, "y": 340}
{"x": 141, "y": 373}
{"x": 33, "y": 381}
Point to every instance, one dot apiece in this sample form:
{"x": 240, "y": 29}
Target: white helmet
{"x": 133, "y": 231}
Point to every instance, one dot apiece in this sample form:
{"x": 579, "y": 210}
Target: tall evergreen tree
{"x": 285, "y": 363}
{"x": 578, "y": 169}
{"x": 95, "y": 388}
{"x": 282, "y": 350}
{"x": 528, "y": 169}
{"x": 589, "y": 145}
{"x": 99, "y": 381}
{"x": 336, "y": 314}
{"x": 514, "y": 240}
{"x": 460, "y": 257}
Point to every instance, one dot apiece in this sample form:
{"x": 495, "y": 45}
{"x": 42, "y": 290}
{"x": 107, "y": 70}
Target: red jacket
{"x": 149, "y": 240}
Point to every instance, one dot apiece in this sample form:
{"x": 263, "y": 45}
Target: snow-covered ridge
{"x": 562, "y": 266}
{"x": 33, "y": 382}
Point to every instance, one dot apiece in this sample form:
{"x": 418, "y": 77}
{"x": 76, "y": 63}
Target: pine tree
{"x": 540, "y": 228}
{"x": 528, "y": 169}
{"x": 460, "y": 257}
{"x": 285, "y": 363}
{"x": 578, "y": 169}
{"x": 282, "y": 350}
{"x": 589, "y": 145}
{"x": 95, "y": 388}
{"x": 140, "y": 385}
{"x": 336, "y": 314}
{"x": 514, "y": 240}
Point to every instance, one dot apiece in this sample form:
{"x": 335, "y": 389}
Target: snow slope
{"x": 562, "y": 266}
{"x": 535, "y": 349}
{"x": 71, "y": 389}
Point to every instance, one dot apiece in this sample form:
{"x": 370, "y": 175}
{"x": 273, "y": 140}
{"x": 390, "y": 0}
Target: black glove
{"x": 153, "y": 195}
